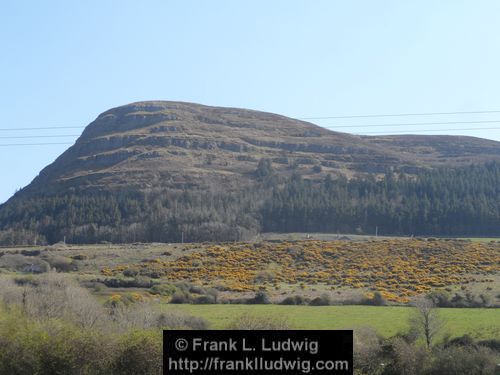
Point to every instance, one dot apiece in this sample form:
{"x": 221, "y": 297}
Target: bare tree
{"x": 425, "y": 320}
{"x": 368, "y": 354}
{"x": 83, "y": 308}
{"x": 54, "y": 295}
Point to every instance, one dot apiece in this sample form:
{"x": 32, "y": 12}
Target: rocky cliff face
{"x": 164, "y": 145}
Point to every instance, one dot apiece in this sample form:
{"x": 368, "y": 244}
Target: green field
{"x": 388, "y": 321}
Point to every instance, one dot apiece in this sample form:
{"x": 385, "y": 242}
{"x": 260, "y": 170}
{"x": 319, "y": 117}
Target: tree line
{"x": 438, "y": 202}
{"x": 458, "y": 201}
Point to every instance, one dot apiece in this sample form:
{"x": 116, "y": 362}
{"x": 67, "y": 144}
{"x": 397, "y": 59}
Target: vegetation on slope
{"x": 398, "y": 269}
{"x": 51, "y": 325}
{"x": 459, "y": 201}
{"x": 45, "y": 329}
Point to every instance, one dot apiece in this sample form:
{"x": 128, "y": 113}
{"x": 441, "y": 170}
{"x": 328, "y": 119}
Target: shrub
{"x": 139, "y": 353}
{"x": 183, "y": 286}
{"x": 323, "y": 300}
{"x": 60, "y": 263}
{"x": 264, "y": 276}
{"x": 409, "y": 358}
{"x": 163, "y": 289}
{"x": 463, "y": 360}
{"x": 464, "y": 340}
{"x": 367, "y": 346}
{"x": 261, "y": 298}
{"x": 294, "y": 300}
{"x": 150, "y": 273}
{"x": 376, "y": 300}
{"x": 173, "y": 320}
{"x": 204, "y": 299}
{"x": 196, "y": 289}
{"x": 18, "y": 262}
{"x": 130, "y": 272}
{"x": 493, "y": 344}
{"x": 214, "y": 293}
{"x": 80, "y": 257}
{"x": 94, "y": 285}
{"x": 138, "y": 282}
{"x": 57, "y": 333}
{"x": 51, "y": 347}
{"x": 440, "y": 298}
{"x": 180, "y": 297}
{"x": 30, "y": 253}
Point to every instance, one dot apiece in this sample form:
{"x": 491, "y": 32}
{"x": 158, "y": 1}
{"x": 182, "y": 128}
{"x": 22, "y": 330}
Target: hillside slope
{"x": 172, "y": 144}
{"x": 154, "y": 171}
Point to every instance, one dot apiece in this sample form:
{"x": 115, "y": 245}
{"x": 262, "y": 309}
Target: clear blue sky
{"x": 64, "y": 62}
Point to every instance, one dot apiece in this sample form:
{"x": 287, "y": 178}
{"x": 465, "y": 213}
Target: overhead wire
{"x": 40, "y": 136}
{"x": 412, "y": 124}
{"x": 400, "y": 115}
{"x": 430, "y": 130}
{"x": 327, "y": 126}
{"x": 35, "y": 144}
{"x": 43, "y": 128}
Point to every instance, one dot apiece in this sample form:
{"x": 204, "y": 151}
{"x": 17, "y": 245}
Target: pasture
{"x": 479, "y": 323}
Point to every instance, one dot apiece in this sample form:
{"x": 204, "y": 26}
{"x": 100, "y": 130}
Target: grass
{"x": 388, "y": 321}
{"x": 482, "y": 239}
{"x": 478, "y": 322}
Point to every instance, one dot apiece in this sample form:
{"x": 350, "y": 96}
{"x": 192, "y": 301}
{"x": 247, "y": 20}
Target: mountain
{"x": 151, "y": 145}
{"x": 174, "y": 154}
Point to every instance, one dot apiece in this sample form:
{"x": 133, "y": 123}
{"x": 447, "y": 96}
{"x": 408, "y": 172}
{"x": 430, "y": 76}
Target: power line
{"x": 412, "y": 124}
{"x": 406, "y": 132}
{"x": 324, "y": 126}
{"x": 43, "y": 128}
{"x": 330, "y": 127}
{"x": 429, "y": 130}
{"x": 304, "y": 118}
{"x": 359, "y": 133}
{"x": 317, "y": 118}
{"x": 40, "y": 136}
{"x": 35, "y": 144}
{"x": 398, "y": 115}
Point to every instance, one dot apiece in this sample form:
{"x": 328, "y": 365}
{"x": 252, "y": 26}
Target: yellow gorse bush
{"x": 398, "y": 268}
